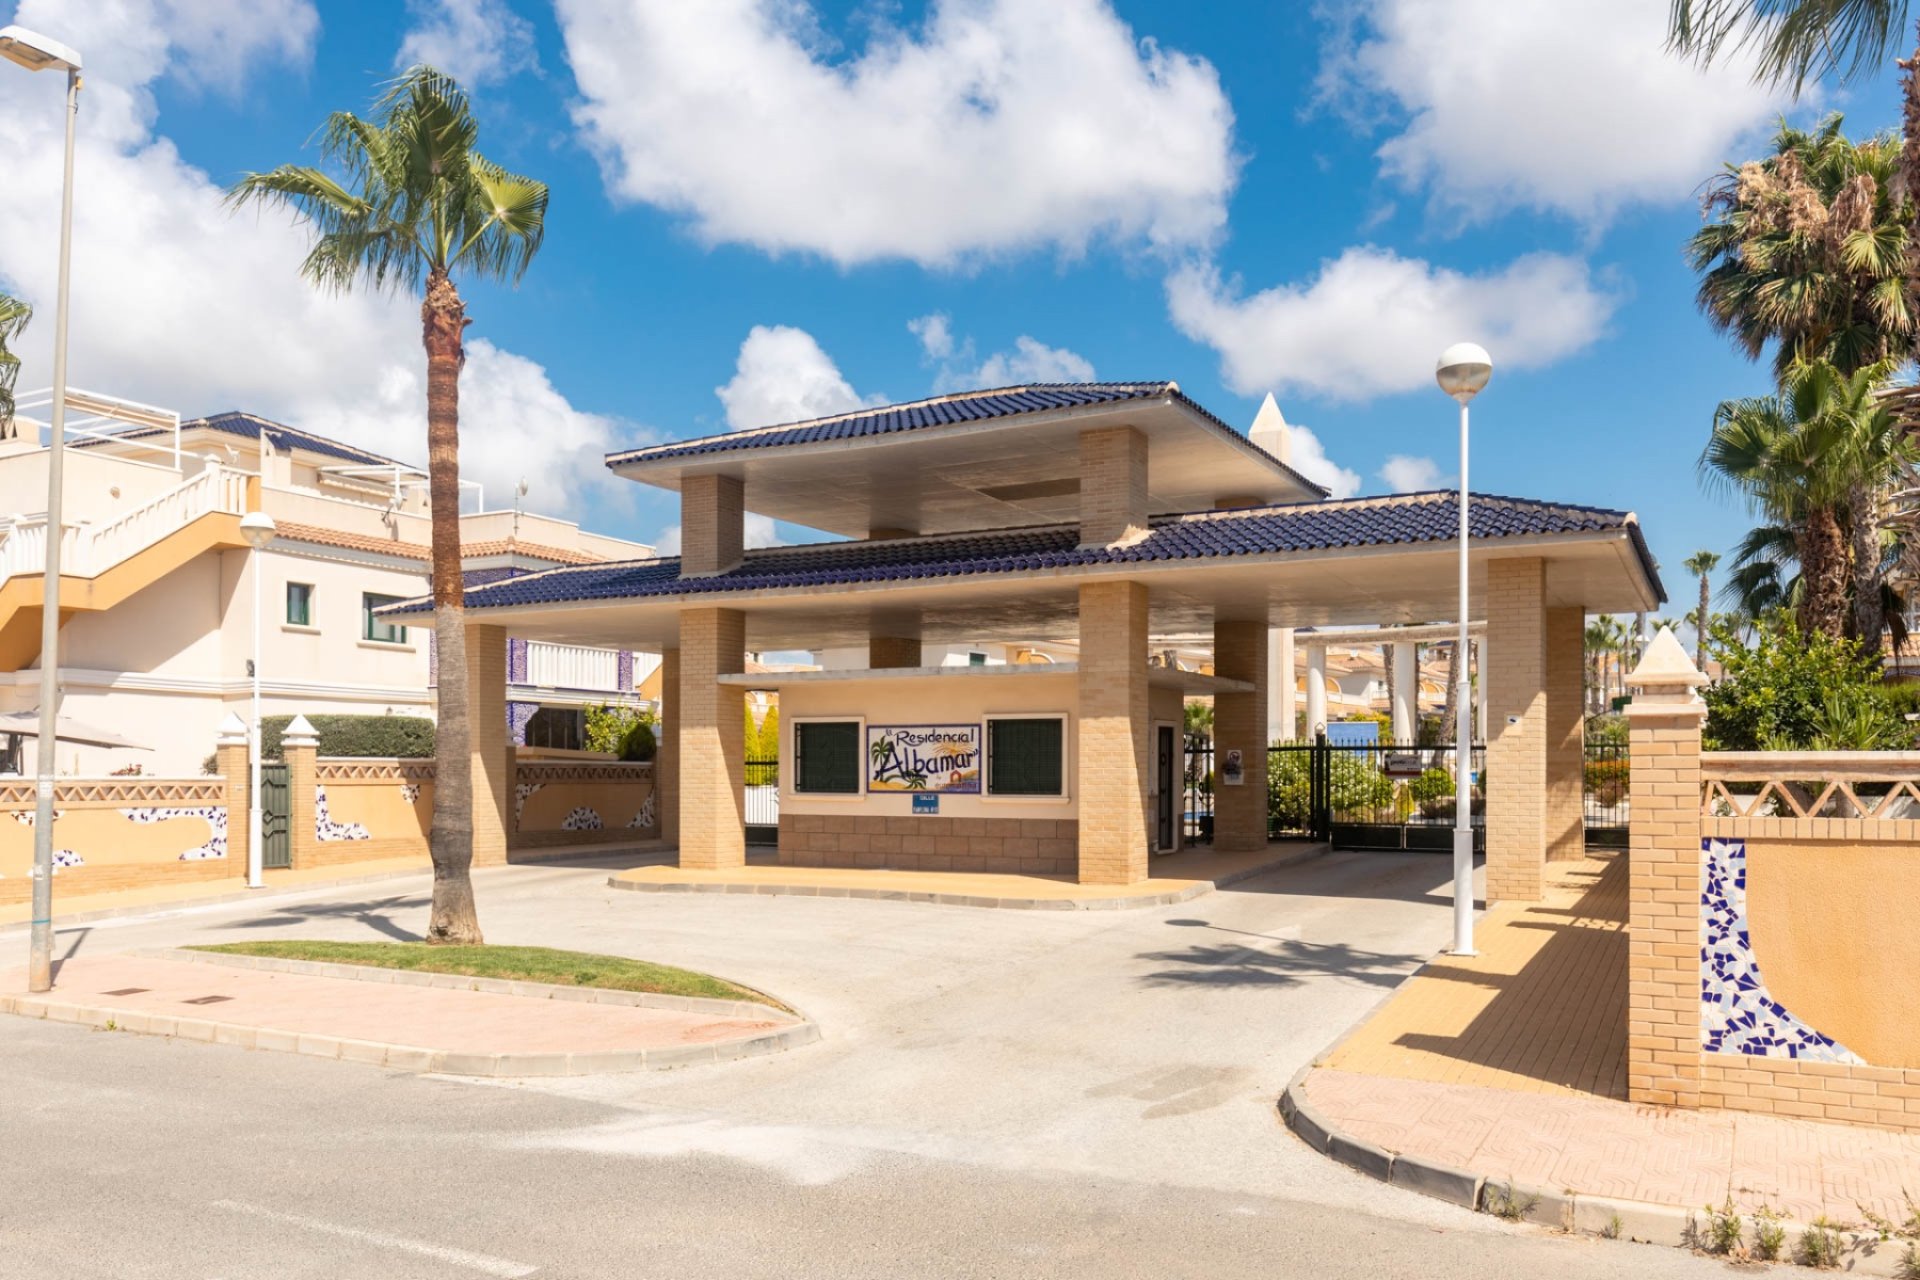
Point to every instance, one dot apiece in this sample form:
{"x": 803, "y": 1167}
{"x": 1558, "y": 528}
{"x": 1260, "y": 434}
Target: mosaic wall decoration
{"x": 1738, "y": 1014}
{"x": 325, "y": 828}
{"x": 582, "y": 819}
{"x": 520, "y": 793}
{"x": 519, "y": 716}
{"x": 410, "y": 792}
{"x": 644, "y": 818}
{"x": 215, "y": 816}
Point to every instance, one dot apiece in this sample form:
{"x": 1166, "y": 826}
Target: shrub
{"x": 1356, "y": 786}
{"x": 409, "y": 737}
{"x": 1793, "y": 690}
{"x": 621, "y": 732}
{"x": 1609, "y": 730}
{"x": 1434, "y": 784}
{"x": 1608, "y": 779}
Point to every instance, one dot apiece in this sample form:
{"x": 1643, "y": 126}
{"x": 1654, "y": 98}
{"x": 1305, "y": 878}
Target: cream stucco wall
{"x": 960, "y": 699}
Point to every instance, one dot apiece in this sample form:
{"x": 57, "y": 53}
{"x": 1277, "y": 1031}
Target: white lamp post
{"x": 257, "y": 528}
{"x": 1463, "y": 369}
{"x": 37, "y": 53}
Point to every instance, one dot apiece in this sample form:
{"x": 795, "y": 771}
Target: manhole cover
{"x": 206, "y": 1000}
{"x": 126, "y": 991}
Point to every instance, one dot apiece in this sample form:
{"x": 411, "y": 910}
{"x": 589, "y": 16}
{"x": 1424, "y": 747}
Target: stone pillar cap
{"x": 300, "y": 733}
{"x": 233, "y": 730}
{"x": 1666, "y": 666}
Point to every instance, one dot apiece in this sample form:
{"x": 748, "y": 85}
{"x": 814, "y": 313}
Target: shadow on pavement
{"x": 376, "y": 915}
{"x": 1289, "y": 964}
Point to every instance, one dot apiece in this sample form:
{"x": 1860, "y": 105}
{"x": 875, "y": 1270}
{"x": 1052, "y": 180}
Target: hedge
{"x": 410, "y": 737}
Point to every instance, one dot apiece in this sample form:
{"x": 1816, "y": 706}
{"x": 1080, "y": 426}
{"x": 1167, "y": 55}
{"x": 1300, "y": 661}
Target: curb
{"x": 1167, "y": 899}
{"x": 1566, "y": 1210}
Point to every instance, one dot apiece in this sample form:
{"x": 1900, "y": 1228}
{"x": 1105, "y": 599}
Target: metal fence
{"x": 1604, "y": 785}
{"x": 763, "y": 800}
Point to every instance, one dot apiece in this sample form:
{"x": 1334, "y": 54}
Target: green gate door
{"x": 276, "y": 813}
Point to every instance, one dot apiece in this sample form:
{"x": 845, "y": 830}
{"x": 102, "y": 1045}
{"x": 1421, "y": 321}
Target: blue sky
{"x": 756, "y": 207}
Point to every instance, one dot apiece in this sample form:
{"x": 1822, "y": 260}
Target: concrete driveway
{"x": 1024, "y": 1093}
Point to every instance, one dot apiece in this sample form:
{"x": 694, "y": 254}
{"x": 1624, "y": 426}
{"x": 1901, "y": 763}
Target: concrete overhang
{"x": 1159, "y": 677}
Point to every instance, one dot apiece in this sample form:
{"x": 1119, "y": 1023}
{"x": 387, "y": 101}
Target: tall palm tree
{"x": 413, "y": 205}
{"x": 14, "y": 315}
{"x": 1798, "y": 40}
{"x": 1702, "y": 564}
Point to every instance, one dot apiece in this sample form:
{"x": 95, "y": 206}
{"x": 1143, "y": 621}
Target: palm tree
{"x": 14, "y": 315}
{"x": 1702, "y": 563}
{"x": 1806, "y": 251}
{"x": 1798, "y": 40}
{"x": 414, "y": 204}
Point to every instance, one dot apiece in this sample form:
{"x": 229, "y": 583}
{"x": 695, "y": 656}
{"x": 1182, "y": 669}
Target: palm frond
{"x": 1796, "y": 40}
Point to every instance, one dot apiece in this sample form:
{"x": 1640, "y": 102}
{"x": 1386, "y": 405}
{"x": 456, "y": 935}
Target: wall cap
{"x": 300, "y": 733}
{"x": 1666, "y": 666}
{"x": 232, "y": 732}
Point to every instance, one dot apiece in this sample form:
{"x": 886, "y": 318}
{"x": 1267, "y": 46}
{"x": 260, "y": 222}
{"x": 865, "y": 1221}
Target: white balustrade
{"x": 90, "y": 549}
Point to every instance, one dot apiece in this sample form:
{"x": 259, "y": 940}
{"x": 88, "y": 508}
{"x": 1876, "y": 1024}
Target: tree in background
{"x": 1793, "y": 689}
{"x": 414, "y": 204}
{"x": 1702, "y": 564}
{"x": 14, "y": 315}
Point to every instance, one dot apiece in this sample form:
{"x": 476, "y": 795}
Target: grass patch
{"x": 512, "y": 964}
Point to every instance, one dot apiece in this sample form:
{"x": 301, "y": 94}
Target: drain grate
{"x": 126, "y": 991}
{"x": 206, "y": 1000}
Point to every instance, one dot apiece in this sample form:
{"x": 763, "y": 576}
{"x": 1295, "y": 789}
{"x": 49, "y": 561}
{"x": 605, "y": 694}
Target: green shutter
{"x": 1024, "y": 757}
{"x": 826, "y": 757}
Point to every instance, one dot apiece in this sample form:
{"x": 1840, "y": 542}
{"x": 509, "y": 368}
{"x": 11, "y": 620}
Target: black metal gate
{"x": 763, "y": 800}
{"x": 276, "y": 817}
{"x": 1604, "y": 792}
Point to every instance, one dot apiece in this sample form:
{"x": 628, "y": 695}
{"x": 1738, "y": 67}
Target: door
{"x": 1166, "y": 786}
{"x": 276, "y": 815}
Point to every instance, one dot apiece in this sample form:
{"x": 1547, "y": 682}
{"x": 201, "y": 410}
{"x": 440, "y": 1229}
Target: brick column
{"x": 712, "y": 525}
{"x": 666, "y": 755}
{"x": 1663, "y": 946}
{"x": 1113, "y": 732}
{"x": 892, "y": 652}
{"x": 1517, "y": 732}
{"x": 231, "y": 763}
{"x": 1566, "y": 725}
{"x": 492, "y": 746}
{"x": 300, "y": 749}
{"x": 1240, "y": 723}
{"x": 713, "y": 642}
{"x": 1113, "y": 486}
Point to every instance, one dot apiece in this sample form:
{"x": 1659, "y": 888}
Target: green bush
{"x": 621, "y": 732}
{"x": 1608, "y": 730}
{"x": 1357, "y": 787}
{"x": 1434, "y": 784}
{"x": 409, "y": 737}
{"x": 1793, "y": 691}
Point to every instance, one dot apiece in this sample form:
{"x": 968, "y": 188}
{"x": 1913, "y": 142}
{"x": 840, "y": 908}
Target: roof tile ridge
{"x": 945, "y": 535}
{"x": 1374, "y": 502}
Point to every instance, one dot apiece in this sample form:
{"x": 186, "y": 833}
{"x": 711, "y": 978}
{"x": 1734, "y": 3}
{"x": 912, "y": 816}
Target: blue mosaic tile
{"x": 1737, "y": 1012}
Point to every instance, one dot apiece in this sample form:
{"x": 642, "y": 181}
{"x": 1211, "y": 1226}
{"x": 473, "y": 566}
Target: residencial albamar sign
{"x": 924, "y": 757}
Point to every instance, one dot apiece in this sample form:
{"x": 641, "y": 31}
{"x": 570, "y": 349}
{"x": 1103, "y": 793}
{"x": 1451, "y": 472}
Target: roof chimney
{"x": 1270, "y": 431}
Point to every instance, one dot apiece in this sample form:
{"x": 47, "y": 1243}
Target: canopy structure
{"x": 26, "y": 724}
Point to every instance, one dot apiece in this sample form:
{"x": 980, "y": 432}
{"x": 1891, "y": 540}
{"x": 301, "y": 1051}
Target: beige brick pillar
{"x": 300, "y": 749}
{"x": 493, "y": 754}
{"x": 885, "y": 652}
{"x": 1517, "y": 732}
{"x": 712, "y": 525}
{"x": 1566, "y": 821}
{"x": 666, "y": 756}
{"x": 1113, "y": 732}
{"x": 230, "y": 762}
{"x": 713, "y": 643}
{"x": 1240, "y": 724}
{"x": 1113, "y": 486}
{"x": 1663, "y": 945}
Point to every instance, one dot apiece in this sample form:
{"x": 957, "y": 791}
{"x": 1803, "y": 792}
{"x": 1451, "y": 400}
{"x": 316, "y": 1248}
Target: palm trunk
{"x": 1700, "y": 626}
{"x": 1869, "y": 610}
{"x": 1823, "y": 568}
{"x": 1450, "y": 718}
{"x": 454, "y": 920}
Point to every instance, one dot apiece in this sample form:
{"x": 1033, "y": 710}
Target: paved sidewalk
{"x": 1510, "y": 1067}
{"x": 377, "y": 1016}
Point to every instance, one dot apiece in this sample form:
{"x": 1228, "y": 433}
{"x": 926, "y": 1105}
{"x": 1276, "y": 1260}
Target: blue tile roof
{"x": 969, "y": 406}
{"x": 1294, "y": 527}
{"x": 252, "y": 427}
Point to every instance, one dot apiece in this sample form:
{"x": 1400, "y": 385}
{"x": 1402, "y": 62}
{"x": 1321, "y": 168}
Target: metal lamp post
{"x": 1463, "y": 369}
{"x": 38, "y": 53}
{"x": 257, "y": 528}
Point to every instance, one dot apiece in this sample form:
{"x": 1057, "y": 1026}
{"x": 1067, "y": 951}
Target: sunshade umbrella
{"x": 77, "y": 732}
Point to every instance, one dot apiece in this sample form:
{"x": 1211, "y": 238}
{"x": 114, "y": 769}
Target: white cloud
{"x": 935, "y": 332}
{"x": 1309, "y": 457}
{"x": 1030, "y": 361}
{"x": 177, "y": 302}
{"x": 758, "y": 531}
{"x": 782, "y": 375}
{"x": 475, "y": 41}
{"x": 1404, "y": 474}
{"x": 995, "y": 127}
{"x": 1371, "y": 321}
{"x": 1573, "y": 107}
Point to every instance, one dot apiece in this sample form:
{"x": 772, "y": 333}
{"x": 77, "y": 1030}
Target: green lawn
{"x": 516, "y": 964}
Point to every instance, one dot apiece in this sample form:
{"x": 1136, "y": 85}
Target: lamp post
{"x": 257, "y": 528}
{"x": 37, "y": 53}
{"x": 1463, "y": 369}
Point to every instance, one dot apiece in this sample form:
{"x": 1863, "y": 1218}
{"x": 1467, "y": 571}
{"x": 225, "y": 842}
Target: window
{"x": 976, "y": 659}
{"x": 1026, "y": 756}
{"x": 827, "y": 758}
{"x": 373, "y": 628}
{"x": 299, "y": 604}
{"x": 561, "y": 728}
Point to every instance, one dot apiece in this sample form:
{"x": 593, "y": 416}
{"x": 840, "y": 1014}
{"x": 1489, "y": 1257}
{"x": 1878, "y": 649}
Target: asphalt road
{"x": 997, "y": 1094}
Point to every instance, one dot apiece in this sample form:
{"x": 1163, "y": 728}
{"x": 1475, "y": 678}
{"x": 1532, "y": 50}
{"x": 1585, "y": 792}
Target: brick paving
{"x": 1512, "y": 1065}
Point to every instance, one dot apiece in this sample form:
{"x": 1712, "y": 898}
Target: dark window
{"x": 1025, "y": 757}
{"x": 299, "y": 604}
{"x": 827, "y": 757}
{"x": 373, "y": 628}
{"x": 563, "y": 728}
{"x": 976, "y": 659}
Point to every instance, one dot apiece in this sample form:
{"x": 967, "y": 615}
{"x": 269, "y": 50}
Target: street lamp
{"x": 37, "y": 53}
{"x": 1462, "y": 371}
{"x": 257, "y": 528}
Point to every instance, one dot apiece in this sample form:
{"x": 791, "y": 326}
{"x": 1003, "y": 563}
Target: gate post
{"x": 230, "y": 762}
{"x": 1322, "y": 789}
{"x": 300, "y": 748}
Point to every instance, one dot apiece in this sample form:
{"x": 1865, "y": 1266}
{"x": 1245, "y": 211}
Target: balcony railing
{"x": 87, "y": 550}
{"x": 572, "y": 666}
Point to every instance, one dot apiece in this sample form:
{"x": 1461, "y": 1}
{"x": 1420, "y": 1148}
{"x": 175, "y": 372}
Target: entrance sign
{"x": 924, "y": 757}
{"x": 926, "y": 802}
{"x": 1233, "y": 768}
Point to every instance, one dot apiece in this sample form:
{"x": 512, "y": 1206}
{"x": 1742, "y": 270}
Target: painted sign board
{"x": 924, "y": 757}
{"x": 1405, "y": 764}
